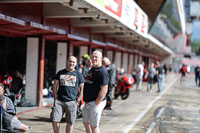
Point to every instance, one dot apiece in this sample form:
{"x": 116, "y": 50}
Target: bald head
{"x": 97, "y": 52}
{"x": 1, "y": 89}
{"x": 72, "y": 58}
{"x": 96, "y": 58}
{"x": 71, "y": 63}
{"x": 106, "y": 61}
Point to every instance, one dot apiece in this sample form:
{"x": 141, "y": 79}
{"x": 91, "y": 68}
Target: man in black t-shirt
{"x": 65, "y": 97}
{"x": 159, "y": 73}
{"x": 95, "y": 89}
{"x": 197, "y": 75}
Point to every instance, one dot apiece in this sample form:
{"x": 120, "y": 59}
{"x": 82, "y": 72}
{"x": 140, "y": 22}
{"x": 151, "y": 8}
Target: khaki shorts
{"x": 69, "y": 108}
{"x": 92, "y": 112}
{"x": 15, "y": 123}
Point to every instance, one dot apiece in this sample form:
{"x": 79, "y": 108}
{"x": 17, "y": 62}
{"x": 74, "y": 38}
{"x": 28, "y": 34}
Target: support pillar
{"x": 41, "y": 72}
{"x": 61, "y": 56}
{"x": 32, "y": 69}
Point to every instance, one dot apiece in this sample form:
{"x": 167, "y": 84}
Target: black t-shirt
{"x": 96, "y": 77}
{"x": 68, "y": 84}
{"x": 160, "y": 70}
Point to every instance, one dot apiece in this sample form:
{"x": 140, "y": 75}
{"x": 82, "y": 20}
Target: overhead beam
{"x": 88, "y": 22}
{"x": 105, "y": 30}
{"x": 120, "y": 35}
{"x": 60, "y": 11}
{"x": 76, "y": 4}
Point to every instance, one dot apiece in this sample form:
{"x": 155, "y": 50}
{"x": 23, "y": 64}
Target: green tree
{"x": 195, "y": 44}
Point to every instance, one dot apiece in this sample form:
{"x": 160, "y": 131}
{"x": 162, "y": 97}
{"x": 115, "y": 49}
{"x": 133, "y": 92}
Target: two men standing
{"x": 94, "y": 92}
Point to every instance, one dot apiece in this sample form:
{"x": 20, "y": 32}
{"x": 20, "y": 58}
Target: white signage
{"x": 125, "y": 11}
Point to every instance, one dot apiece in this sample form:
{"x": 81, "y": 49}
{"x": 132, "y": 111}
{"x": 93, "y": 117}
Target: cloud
{"x": 195, "y": 8}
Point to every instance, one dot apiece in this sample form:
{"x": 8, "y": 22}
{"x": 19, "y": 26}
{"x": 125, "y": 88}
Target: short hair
{"x": 1, "y": 85}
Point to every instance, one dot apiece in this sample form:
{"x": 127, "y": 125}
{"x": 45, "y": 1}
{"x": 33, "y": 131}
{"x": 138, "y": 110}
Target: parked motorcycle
{"x": 6, "y": 80}
{"x": 14, "y": 93}
{"x": 124, "y": 83}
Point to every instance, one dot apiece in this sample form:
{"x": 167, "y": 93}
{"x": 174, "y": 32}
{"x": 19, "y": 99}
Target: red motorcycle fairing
{"x": 6, "y": 80}
{"x": 123, "y": 85}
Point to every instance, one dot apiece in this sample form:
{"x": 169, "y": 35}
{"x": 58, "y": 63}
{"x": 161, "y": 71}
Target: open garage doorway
{"x": 50, "y": 67}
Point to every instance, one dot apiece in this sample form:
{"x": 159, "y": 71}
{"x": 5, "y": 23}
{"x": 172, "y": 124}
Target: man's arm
{"x": 102, "y": 94}
{"x": 55, "y": 85}
{"x": 80, "y": 96}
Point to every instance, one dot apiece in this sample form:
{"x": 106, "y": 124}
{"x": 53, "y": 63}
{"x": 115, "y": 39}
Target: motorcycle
{"x": 16, "y": 96}
{"x": 6, "y": 80}
{"x": 124, "y": 83}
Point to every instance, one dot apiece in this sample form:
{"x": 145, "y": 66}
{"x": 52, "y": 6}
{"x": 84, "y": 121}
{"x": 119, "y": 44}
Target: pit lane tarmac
{"x": 178, "y": 111}
{"x": 175, "y": 110}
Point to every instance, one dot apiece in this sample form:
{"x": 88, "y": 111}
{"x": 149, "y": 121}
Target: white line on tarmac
{"x": 160, "y": 112}
{"x": 134, "y": 122}
{"x": 153, "y": 124}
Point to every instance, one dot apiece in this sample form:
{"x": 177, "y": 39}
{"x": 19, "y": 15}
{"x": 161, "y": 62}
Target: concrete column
{"x": 109, "y": 54}
{"x": 83, "y": 50}
{"x": 61, "y": 55}
{"x": 71, "y": 48}
{"x": 32, "y": 69}
{"x": 131, "y": 63}
{"x": 125, "y": 61}
{"x": 118, "y": 59}
{"x": 41, "y": 72}
{"x": 136, "y": 60}
{"x": 139, "y": 59}
{"x": 99, "y": 49}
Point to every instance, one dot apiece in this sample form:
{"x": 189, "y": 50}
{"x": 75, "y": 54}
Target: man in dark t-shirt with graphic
{"x": 95, "y": 89}
{"x": 65, "y": 97}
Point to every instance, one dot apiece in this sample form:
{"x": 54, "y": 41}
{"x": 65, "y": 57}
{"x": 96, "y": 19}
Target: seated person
{"x": 10, "y": 121}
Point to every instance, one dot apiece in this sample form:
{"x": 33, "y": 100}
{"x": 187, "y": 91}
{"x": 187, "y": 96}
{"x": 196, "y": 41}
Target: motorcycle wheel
{"x": 125, "y": 94}
{"x": 116, "y": 93}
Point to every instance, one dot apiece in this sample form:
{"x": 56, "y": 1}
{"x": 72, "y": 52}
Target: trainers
{"x": 29, "y": 127}
{"x": 108, "y": 108}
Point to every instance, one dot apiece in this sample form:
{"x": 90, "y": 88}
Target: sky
{"x": 195, "y": 30}
{"x": 195, "y": 11}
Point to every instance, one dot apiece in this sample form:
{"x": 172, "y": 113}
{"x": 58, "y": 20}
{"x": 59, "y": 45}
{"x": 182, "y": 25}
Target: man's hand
{"x": 78, "y": 102}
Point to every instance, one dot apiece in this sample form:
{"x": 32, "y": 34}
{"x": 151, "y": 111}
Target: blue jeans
{"x": 160, "y": 82}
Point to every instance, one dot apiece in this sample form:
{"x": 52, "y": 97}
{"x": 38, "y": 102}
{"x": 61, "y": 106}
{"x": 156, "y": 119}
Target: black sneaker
{"x": 108, "y": 108}
{"x": 29, "y": 127}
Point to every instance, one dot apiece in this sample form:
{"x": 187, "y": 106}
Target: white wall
{"x": 32, "y": 69}
{"x": 82, "y": 50}
{"x": 99, "y": 49}
{"x": 118, "y": 59}
{"x": 109, "y": 54}
{"x": 61, "y": 56}
{"x": 136, "y": 60}
{"x": 125, "y": 62}
{"x": 131, "y": 63}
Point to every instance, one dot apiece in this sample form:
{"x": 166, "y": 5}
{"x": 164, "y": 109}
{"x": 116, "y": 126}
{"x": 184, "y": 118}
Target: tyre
{"x": 116, "y": 93}
{"x": 125, "y": 95}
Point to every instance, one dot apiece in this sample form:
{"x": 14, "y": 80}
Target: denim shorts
{"x": 92, "y": 112}
{"x": 61, "y": 108}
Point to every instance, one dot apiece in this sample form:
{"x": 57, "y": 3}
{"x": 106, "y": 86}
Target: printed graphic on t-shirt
{"x": 88, "y": 78}
{"x": 67, "y": 80}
